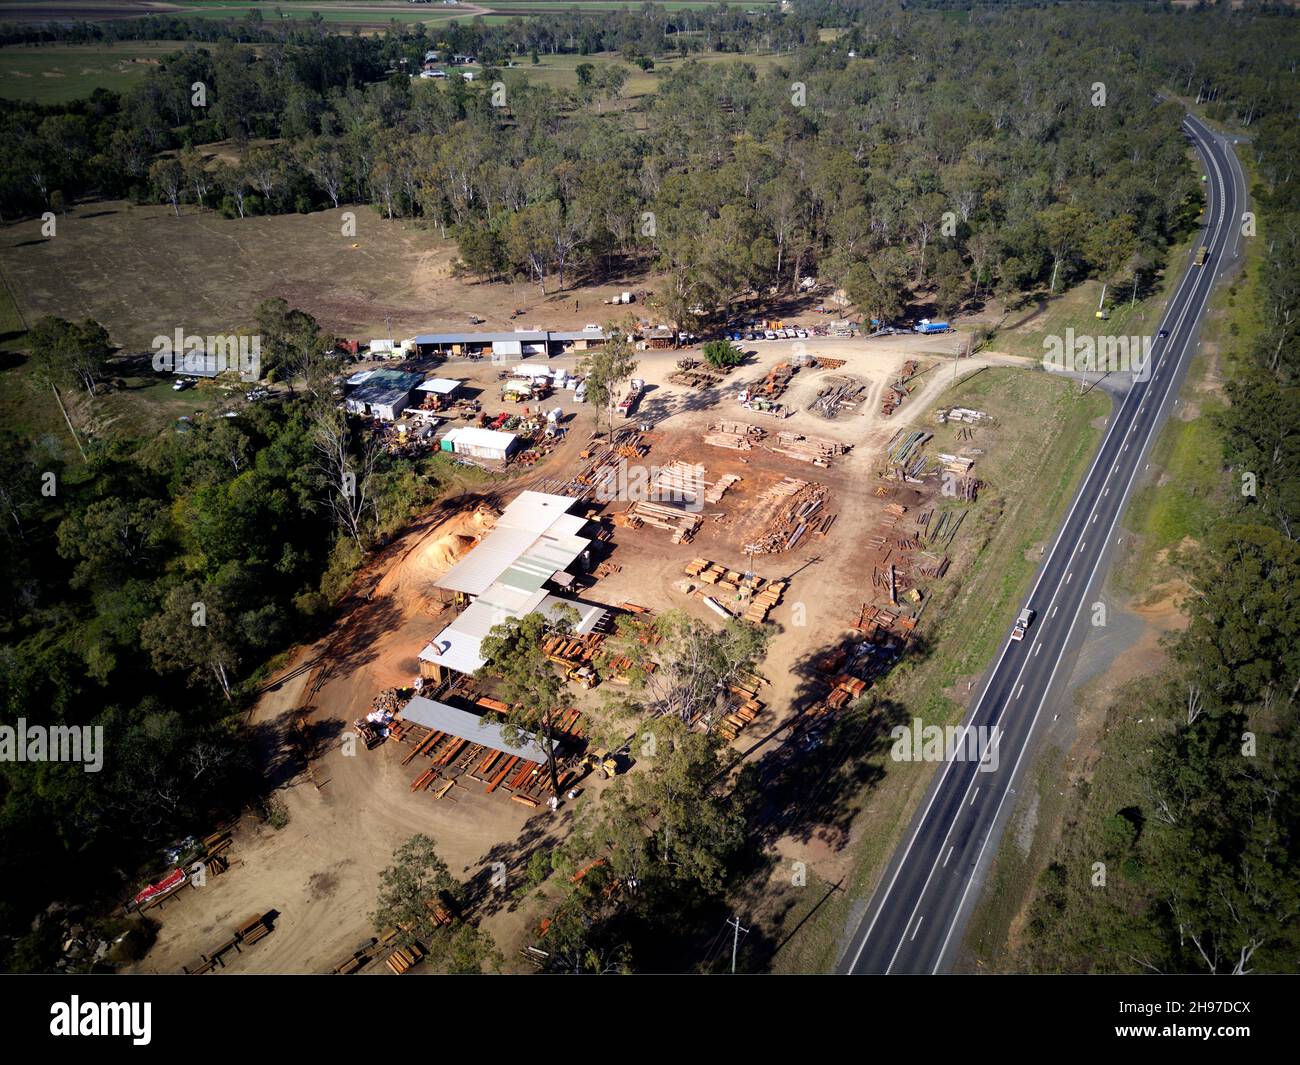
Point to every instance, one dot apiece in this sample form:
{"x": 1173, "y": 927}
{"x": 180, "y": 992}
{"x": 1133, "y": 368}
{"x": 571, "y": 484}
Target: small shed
{"x": 445, "y": 388}
{"x": 490, "y": 444}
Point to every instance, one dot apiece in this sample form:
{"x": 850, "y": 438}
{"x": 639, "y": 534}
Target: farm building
{"x": 515, "y": 345}
{"x": 490, "y": 444}
{"x": 382, "y": 394}
{"x": 513, "y": 571}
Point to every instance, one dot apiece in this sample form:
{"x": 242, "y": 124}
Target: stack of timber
{"x": 403, "y": 959}
{"x": 799, "y": 515}
{"x": 810, "y": 449}
{"x": 839, "y": 394}
{"x": 762, "y": 603}
{"x": 715, "y": 491}
{"x": 679, "y": 482}
{"x": 738, "y": 436}
{"x": 741, "y": 705}
{"x": 681, "y": 523}
{"x": 755, "y": 596}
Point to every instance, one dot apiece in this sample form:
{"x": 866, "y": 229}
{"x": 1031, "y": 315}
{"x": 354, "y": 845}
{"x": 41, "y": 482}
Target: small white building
{"x": 490, "y": 444}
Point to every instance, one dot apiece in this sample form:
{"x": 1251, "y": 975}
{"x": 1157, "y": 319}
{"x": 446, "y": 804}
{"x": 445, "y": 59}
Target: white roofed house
{"x": 516, "y": 569}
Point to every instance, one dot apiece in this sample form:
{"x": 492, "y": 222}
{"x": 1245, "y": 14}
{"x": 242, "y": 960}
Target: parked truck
{"x": 634, "y": 389}
{"x": 927, "y": 327}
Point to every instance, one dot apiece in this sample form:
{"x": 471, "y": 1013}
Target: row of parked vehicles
{"x": 788, "y": 333}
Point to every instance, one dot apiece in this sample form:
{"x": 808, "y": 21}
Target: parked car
{"x": 181, "y": 384}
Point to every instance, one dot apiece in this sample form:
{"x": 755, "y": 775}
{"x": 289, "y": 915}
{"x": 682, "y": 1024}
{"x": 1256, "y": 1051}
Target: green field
{"x": 51, "y": 74}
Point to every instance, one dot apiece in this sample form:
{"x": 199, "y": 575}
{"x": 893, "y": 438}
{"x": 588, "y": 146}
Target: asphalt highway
{"x": 916, "y": 920}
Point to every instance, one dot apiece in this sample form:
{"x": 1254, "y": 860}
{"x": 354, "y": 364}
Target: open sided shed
{"x": 439, "y": 717}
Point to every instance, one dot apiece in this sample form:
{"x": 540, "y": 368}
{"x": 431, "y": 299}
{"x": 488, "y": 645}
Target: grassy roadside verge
{"x": 1177, "y": 505}
{"x": 1042, "y": 443}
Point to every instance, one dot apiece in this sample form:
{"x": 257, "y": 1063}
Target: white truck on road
{"x": 1023, "y": 622}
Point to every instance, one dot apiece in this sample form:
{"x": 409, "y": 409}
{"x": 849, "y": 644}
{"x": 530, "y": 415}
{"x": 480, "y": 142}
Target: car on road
{"x": 1163, "y": 333}
{"x": 1023, "y": 622}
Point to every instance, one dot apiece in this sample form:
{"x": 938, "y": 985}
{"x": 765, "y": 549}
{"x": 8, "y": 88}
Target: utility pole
{"x": 735, "y": 940}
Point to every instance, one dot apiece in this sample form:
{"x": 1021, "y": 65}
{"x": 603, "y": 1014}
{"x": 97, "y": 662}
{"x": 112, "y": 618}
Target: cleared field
{"x": 561, "y": 71}
{"x": 56, "y": 74}
{"x": 359, "y": 14}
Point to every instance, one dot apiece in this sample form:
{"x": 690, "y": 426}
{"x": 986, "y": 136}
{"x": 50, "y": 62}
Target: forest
{"x": 946, "y": 160}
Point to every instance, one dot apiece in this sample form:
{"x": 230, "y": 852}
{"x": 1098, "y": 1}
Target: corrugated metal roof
{"x": 480, "y": 338}
{"x": 475, "y": 437}
{"x": 441, "y": 385}
{"x": 534, "y": 532}
{"x": 458, "y": 645}
{"x": 527, "y": 336}
{"x": 580, "y": 334}
{"x": 443, "y": 718}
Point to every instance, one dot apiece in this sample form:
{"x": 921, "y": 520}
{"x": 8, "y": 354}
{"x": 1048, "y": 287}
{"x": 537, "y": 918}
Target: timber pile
{"x": 762, "y": 603}
{"x": 603, "y": 458}
{"x": 738, "y": 436}
{"x": 403, "y": 959}
{"x": 695, "y": 377}
{"x": 799, "y": 515}
{"x": 905, "y": 455}
{"x": 679, "y": 482}
{"x": 565, "y": 649}
{"x": 810, "y": 449}
{"x": 732, "y": 441}
{"x": 777, "y": 381}
{"x": 840, "y": 394}
{"x": 682, "y": 524}
{"x": 741, "y": 705}
{"x": 719, "y": 487}
{"x": 248, "y": 933}
{"x": 756, "y": 594}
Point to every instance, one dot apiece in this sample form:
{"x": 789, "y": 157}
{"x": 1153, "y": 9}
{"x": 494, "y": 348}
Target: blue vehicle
{"x": 927, "y": 327}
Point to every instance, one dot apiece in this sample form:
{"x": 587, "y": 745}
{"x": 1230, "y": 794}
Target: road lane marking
{"x": 1192, "y": 277}
{"x": 1024, "y": 747}
{"x": 972, "y": 800}
{"x": 947, "y": 856}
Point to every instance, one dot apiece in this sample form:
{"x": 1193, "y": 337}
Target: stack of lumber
{"x": 569, "y": 650}
{"x": 741, "y": 707}
{"x": 738, "y": 429}
{"x": 403, "y": 959}
{"x": 718, "y": 489}
{"x": 252, "y": 930}
{"x": 799, "y": 516}
{"x": 840, "y": 394}
{"x": 810, "y": 449}
{"x": 777, "y": 380}
{"x": 764, "y": 601}
{"x": 679, "y": 482}
{"x": 682, "y": 524}
{"x": 734, "y": 441}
